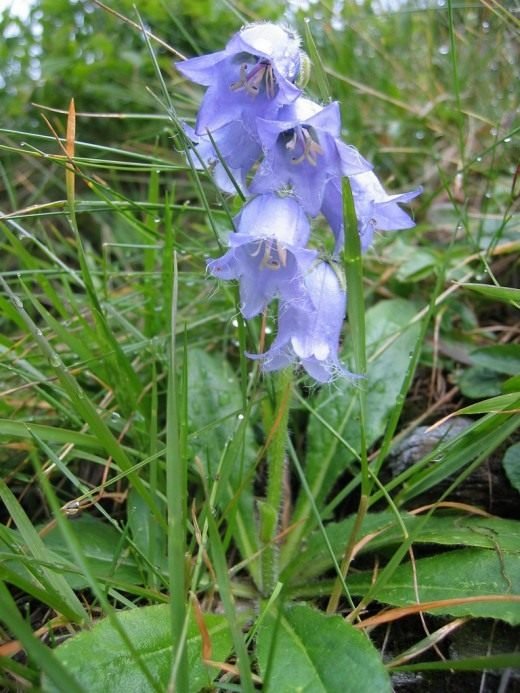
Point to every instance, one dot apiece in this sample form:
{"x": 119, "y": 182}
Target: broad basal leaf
{"x": 503, "y": 358}
{"x": 100, "y": 660}
{"x": 511, "y": 463}
{"x": 214, "y": 406}
{"x": 102, "y": 546}
{"x": 223, "y": 441}
{"x": 301, "y": 649}
{"x": 496, "y": 293}
{"x": 468, "y": 575}
{"x": 477, "y": 383}
{"x": 450, "y": 530}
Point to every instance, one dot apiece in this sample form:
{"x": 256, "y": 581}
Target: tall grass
{"x": 138, "y": 440}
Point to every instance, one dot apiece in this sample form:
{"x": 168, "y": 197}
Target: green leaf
{"x": 420, "y": 264}
{"x": 317, "y": 69}
{"x": 460, "y": 574}
{"x": 511, "y": 463}
{"x": 99, "y": 661}
{"x": 450, "y": 530}
{"x": 149, "y": 542}
{"x": 301, "y": 649}
{"x": 479, "y": 664}
{"x": 496, "y": 293}
{"x": 102, "y": 547}
{"x": 223, "y": 440}
{"x": 49, "y": 579}
{"x": 494, "y": 404}
{"x": 314, "y": 558}
{"x": 477, "y": 382}
{"x": 36, "y": 650}
{"x": 213, "y": 407}
{"x": 453, "y": 530}
{"x": 19, "y": 568}
{"x": 502, "y": 358}
{"x": 51, "y": 434}
{"x": 390, "y": 340}
{"x": 511, "y": 385}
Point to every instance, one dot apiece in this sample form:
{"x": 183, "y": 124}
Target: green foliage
{"x": 124, "y": 385}
{"x": 468, "y": 575}
{"x": 46, "y": 580}
{"x": 511, "y": 464}
{"x": 149, "y": 629}
{"x": 301, "y": 648}
{"x": 486, "y": 377}
{"x": 99, "y": 543}
{"x": 384, "y": 531}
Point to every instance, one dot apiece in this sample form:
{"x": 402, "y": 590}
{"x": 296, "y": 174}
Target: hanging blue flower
{"x": 302, "y": 151}
{"x": 251, "y": 78}
{"x": 376, "y": 210}
{"x": 267, "y": 255}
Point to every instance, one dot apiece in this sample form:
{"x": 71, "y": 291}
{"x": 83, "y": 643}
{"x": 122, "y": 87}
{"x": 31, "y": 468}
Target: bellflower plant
{"x": 254, "y": 114}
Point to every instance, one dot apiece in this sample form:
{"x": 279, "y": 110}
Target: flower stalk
{"x": 256, "y": 131}
{"x": 276, "y": 419}
{"x": 354, "y": 274}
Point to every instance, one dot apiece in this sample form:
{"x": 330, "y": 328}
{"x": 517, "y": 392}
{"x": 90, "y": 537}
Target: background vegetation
{"x": 122, "y": 368}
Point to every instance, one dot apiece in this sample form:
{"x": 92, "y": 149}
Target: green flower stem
{"x": 176, "y": 493}
{"x": 356, "y": 315}
{"x": 276, "y": 415}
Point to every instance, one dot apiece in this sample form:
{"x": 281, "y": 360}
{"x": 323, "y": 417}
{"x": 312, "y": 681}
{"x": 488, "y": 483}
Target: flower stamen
{"x": 251, "y": 80}
{"x": 274, "y": 255}
{"x": 310, "y": 147}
